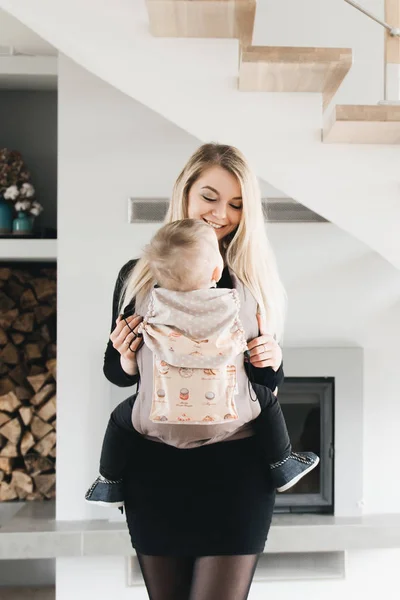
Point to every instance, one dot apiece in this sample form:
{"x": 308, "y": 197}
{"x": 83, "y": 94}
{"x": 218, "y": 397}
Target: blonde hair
{"x": 182, "y": 255}
{"x": 246, "y": 251}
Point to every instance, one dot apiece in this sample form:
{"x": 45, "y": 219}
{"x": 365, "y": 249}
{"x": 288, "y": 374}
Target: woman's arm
{"x": 265, "y": 359}
{"x": 268, "y": 377}
{"x": 112, "y": 359}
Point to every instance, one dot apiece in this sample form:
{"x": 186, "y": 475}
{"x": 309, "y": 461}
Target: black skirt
{"x": 208, "y": 501}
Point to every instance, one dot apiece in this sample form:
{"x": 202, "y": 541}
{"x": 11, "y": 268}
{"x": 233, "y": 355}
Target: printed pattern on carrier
{"x": 194, "y": 380}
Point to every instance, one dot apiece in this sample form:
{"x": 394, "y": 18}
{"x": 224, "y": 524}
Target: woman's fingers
{"x": 118, "y": 337}
{"x": 261, "y": 355}
{"x": 117, "y": 330}
{"x": 132, "y": 321}
{"x": 125, "y": 332}
{"x": 262, "y": 349}
{"x": 265, "y": 351}
{"x": 121, "y": 325}
{"x": 263, "y": 339}
{"x": 131, "y": 345}
{"x": 135, "y": 345}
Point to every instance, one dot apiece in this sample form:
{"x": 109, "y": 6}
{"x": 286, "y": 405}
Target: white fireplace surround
{"x": 346, "y": 366}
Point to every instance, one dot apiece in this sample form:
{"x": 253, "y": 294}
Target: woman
{"x": 199, "y": 518}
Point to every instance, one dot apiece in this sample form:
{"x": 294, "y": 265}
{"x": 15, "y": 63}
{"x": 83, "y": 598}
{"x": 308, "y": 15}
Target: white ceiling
{"x": 24, "y": 40}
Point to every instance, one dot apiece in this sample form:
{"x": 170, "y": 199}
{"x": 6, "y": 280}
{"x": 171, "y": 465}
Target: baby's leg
{"x": 107, "y": 489}
{"x": 287, "y": 467}
{"x": 270, "y": 426}
{"x": 118, "y": 440}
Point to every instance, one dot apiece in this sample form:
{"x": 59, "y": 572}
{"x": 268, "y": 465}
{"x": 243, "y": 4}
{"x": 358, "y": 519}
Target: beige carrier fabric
{"x": 194, "y": 372}
{"x": 174, "y": 311}
{"x": 193, "y": 396}
{"x": 194, "y": 329}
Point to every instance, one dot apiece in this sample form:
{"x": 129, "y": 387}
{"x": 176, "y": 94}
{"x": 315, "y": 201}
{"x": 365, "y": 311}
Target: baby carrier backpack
{"x": 195, "y": 338}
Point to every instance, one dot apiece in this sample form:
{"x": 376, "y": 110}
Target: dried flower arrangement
{"x": 15, "y": 186}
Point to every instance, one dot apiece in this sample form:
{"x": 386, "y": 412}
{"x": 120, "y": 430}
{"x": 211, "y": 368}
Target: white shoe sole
{"x": 293, "y": 482}
{"x": 101, "y": 503}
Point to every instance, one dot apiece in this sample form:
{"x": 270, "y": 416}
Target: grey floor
{"x": 26, "y": 593}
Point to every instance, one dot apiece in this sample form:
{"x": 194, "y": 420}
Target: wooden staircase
{"x": 359, "y": 124}
{"x": 279, "y": 68}
{"x": 283, "y": 69}
{"x": 202, "y": 18}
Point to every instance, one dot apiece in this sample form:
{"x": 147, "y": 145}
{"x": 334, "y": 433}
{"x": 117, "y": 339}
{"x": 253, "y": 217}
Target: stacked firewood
{"x": 27, "y": 382}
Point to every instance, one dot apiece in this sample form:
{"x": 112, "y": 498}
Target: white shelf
{"x": 27, "y": 250}
{"x": 28, "y": 72}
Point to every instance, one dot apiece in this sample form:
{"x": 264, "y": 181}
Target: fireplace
{"x": 308, "y": 406}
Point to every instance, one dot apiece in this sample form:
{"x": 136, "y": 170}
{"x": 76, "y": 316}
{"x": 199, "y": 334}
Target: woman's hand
{"x": 264, "y": 350}
{"x": 127, "y": 341}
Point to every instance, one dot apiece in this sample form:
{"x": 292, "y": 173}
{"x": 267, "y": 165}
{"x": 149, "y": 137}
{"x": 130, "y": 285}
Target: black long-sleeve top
{"x": 112, "y": 364}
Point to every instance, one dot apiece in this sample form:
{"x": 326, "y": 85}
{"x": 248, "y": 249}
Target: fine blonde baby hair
{"x": 182, "y": 254}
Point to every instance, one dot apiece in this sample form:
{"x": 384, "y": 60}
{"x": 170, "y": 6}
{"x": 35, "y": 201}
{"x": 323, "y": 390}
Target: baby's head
{"x": 184, "y": 256}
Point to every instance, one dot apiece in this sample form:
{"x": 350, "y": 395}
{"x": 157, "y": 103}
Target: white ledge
{"x": 29, "y": 65}
{"x": 13, "y": 249}
{"x": 33, "y": 532}
{"x": 28, "y": 72}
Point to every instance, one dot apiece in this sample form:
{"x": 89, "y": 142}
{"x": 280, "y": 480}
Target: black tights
{"x": 204, "y": 578}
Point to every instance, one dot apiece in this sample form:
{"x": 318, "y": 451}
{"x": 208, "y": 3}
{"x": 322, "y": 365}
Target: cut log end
{"x": 7, "y": 492}
{"x": 27, "y": 383}
{"x": 27, "y": 442}
{"x": 11, "y": 430}
{"x": 22, "y": 484}
{"x": 46, "y": 444}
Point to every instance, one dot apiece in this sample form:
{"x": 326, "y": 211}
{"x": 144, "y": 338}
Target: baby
{"x": 197, "y": 381}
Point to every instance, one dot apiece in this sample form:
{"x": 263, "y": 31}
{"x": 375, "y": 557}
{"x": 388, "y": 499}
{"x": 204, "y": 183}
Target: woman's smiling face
{"x": 216, "y": 198}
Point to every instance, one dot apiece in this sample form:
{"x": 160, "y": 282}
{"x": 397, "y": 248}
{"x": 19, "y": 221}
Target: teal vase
{"x": 6, "y": 216}
{"x": 22, "y": 224}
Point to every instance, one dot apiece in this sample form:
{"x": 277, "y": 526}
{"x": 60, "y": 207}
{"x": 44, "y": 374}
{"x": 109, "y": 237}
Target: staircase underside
{"x": 191, "y": 85}
{"x": 358, "y": 124}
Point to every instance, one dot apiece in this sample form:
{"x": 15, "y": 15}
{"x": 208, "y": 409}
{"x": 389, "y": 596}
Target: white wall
{"x": 341, "y": 294}
{"x": 124, "y": 149}
{"x": 381, "y": 427}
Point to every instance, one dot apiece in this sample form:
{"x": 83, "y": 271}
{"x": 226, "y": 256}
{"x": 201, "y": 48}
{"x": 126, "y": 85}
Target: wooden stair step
{"x": 291, "y": 69}
{"x": 202, "y": 18}
{"x": 363, "y": 124}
